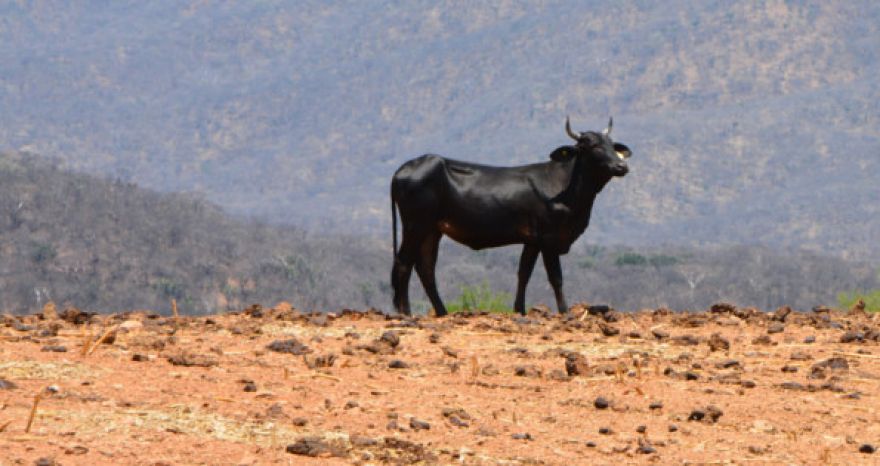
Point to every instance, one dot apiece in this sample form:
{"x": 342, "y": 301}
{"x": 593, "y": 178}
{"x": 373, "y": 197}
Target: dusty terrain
{"x": 276, "y": 386}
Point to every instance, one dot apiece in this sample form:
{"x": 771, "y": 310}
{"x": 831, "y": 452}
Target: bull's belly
{"x": 481, "y": 235}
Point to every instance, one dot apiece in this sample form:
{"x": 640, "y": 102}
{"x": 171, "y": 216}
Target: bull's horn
{"x": 607, "y": 131}
{"x": 568, "y": 130}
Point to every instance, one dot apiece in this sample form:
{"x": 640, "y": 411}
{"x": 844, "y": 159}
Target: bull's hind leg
{"x": 401, "y": 273}
{"x": 554, "y": 275}
{"x": 425, "y": 265}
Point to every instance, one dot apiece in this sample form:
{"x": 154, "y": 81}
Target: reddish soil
{"x": 725, "y": 386}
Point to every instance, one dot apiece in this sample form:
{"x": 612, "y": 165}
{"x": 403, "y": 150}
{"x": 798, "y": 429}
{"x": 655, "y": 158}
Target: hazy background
{"x": 755, "y": 128}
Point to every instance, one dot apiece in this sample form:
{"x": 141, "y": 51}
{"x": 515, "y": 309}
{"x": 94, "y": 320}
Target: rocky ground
{"x": 277, "y": 386}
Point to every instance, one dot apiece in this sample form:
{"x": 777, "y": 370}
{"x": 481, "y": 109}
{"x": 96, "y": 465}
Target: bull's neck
{"x": 582, "y": 193}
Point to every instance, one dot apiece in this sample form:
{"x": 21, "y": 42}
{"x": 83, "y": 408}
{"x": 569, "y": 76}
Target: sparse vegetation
{"x": 847, "y": 299}
{"x": 481, "y": 298}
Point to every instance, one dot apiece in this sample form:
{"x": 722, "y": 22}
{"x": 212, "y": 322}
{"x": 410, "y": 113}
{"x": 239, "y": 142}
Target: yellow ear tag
{"x": 620, "y": 155}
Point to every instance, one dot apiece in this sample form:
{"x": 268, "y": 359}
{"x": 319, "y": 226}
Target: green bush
{"x": 871, "y": 298}
{"x": 480, "y": 298}
{"x": 662, "y": 260}
{"x": 631, "y": 258}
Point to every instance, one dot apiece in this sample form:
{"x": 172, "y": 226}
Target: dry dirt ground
{"x": 276, "y": 386}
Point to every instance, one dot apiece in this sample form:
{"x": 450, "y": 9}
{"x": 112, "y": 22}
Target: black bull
{"x": 544, "y": 206}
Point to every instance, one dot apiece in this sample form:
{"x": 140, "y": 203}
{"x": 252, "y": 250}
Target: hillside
{"x": 751, "y": 123}
{"x": 111, "y": 245}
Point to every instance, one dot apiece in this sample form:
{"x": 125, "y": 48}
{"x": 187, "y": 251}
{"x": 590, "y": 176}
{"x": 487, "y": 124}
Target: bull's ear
{"x": 562, "y": 154}
{"x": 622, "y": 150}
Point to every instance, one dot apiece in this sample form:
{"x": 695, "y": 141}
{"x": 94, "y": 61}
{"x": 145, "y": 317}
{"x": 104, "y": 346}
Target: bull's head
{"x": 598, "y": 149}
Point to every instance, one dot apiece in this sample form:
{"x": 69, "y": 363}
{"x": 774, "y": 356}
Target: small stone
{"x": 351, "y": 404}
{"x": 291, "y": 346}
{"x": 314, "y": 447}
{"x": 590, "y": 444}
{"x": 642, "y": 429}
{"x": 852, "y": 336}
{"x": 605, "y": 431}
{"x": 718, "y": 343}
{"x": 45, "y": 462}
{"x": 54, "y": 349}
{"x": 576, "y": 364}
{"x": 608, "y": 330}
{"x": 527, "y": 371}
{"x": 789, "y": 369}
{"x": 398, "y": 364}
{"x": 522, "y": 436}
{"x": 138, "y": 357}
{"x": 810, "y": 339}
{"x": 601, "y": 403}
{"x": 748, "y": 384}
{"x": 390, "y": 338}
{"x": 434, "y": 338}
{"x": 673, "y": 428}
{"x": 776, "y": 327}
{"x": 660, "y": 334}
{"x": 250, "y": 387}
{"x": 867, "y": 448}
{"x": 418, "y": 424}
{"x": 299, "y": 421}
{"x": 656, "y": 405}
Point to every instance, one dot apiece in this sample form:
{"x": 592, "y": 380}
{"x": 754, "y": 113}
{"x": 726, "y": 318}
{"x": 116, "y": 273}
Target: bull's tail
{"x": 394, "y": 223}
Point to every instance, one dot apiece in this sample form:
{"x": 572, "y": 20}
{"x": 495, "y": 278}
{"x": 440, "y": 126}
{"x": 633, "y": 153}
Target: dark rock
{"x": 418, "y": 424}
{"x": 867, "y": 448}
{"x": 642, "y": 429}
{"x": 634, "y": 334}
{"x": 709, "y": 415}
{"x": 138, "y": 357}
{"x": 54, "y": 349}
{"x": 522, "y": 436}
{"x": 299, "y": 421}
{"x": 590, "y": 444}
{"x": 576, "y": 364}
{"x": 660, "y": 334}
{"x": 291, "y": 346}
{"x": 529, "y": 370}
{"x": 605, "y": 431}
{"x": 789, "y": 369}
{"x": 645, "y": 447}
{"x": 608, "y": 330}
{"x": 314, "y": 447}
{"x": 718, "y": 343}
{"x": 351, "y": 404}
{"x": 656, "y": 405}
{"x": 722, "y": 308}
{"x": 852, "y": 337}
{"x": 792, "y": 386}
{"x": 781, "y": 314}
{"x": 601, "y": 403}
{"x": 776, "y": 327}
{"x": 762, "y": 340}
{"x": 612, "y": 316}
{"x": 748, "y": 384}
{"x": 250, "y": 387}
{"x": 686, "y": 340}
{"x": 800, "y": 356}
{"x": 391, "y": 338}
{"x": 45, "y": 462}
{"x": 192, "y": 360}
{"x": 434, "y": 338}
{"x": 398, "y": 364}
{"x": 673, "y": 428}
{"x": 728, "y": 364}
{"x": 691, "y": 375}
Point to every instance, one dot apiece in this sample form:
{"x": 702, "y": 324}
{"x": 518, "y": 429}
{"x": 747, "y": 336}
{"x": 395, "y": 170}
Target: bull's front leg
{"x": 526, "y": 265}
{"x": 554, "y": 275}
